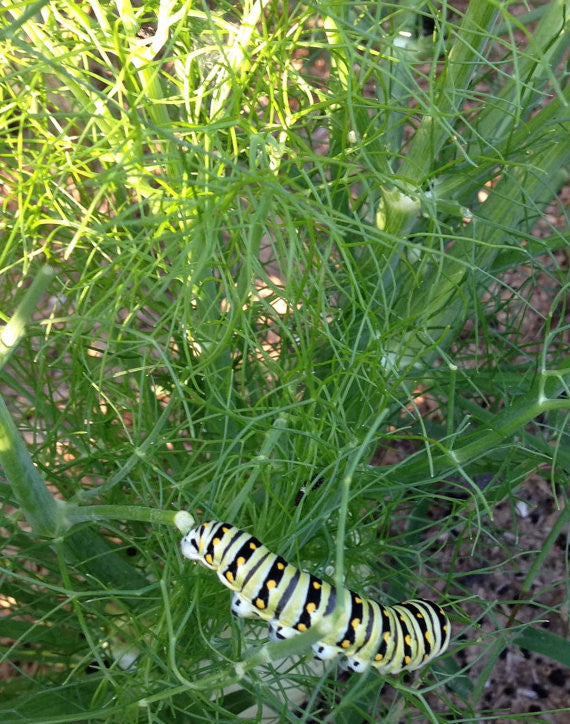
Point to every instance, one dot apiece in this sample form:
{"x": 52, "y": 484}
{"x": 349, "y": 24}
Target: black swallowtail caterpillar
{"x": 405, "y": 636}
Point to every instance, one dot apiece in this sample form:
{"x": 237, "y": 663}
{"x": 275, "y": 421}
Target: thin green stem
{"x": 539, "y": 560}
{"x": 271, "y": 439}
{"x": 451, "y": 401}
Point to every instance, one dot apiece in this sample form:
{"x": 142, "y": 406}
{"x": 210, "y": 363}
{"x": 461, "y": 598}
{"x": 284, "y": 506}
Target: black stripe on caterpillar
{"x": 405, "y": 636}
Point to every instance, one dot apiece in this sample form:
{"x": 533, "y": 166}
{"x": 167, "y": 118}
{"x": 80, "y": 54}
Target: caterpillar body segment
{"x": 405, "y": 636}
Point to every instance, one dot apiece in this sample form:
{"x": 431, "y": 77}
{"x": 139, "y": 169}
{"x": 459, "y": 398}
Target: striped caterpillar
{"x": 402, "y": 637}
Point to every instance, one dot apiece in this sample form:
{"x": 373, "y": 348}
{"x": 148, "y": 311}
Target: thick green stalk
{"x": 12, "y": 333}
{"x": 82, "y": 513}
{"x": 544, "y": 396}
{"x": 463, "y": 187}
{"x": 547, "y": 44}
{"x": 47, "y": 515}
{"x": 40, "y": 508}
{"x": 463, "y": 58}
{"x": 51, "y": 517}
{"x": 399, "y": 210}
{"x": 438, "y": 304}
{"x": 42, "y": 511}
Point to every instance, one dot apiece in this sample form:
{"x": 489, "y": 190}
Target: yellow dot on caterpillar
{"x": 252, "y": 546}
{"x": 208, "y": 558}
{"x": 216, "y": 541}
{"x": 445, "y": 628}
{"x": 316, "y": 585}
{"x": 425, "y": 656}
{"x": 259, "y": 603}
{"x": 230, "y": 576}
{"x": 301, "y": 627}
{"x": 310, "y": 607}
{"x": 402, "y": 619}
{"x": 240, "y": 561}
{"x": 408, "y": 639}
{"x": 378, "y": 657}
{"x": 387, "y": 637}
{"x": 428, "y": 637}
{"x": 345, "y": 644}
{"x": 419, "y": 615}
{"x": 355, "y": 622}
{"x": 225, "y": 529}
{"x": 280, "y": 566}
{"x": 270, "y": 584}
{"x": 384, "y": 612}
{"x": 407, "y": 659}
{"x": 357, "y": 600}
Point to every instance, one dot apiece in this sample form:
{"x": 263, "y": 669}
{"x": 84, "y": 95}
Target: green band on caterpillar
{"x": 405, "y": 636}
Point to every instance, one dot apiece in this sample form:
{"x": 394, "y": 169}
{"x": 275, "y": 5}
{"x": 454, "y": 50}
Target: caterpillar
{"x": 402, "y": 637}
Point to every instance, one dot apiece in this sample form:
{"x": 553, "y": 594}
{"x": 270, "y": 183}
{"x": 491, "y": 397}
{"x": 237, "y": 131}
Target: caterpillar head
{"x": 190, "y": 545}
